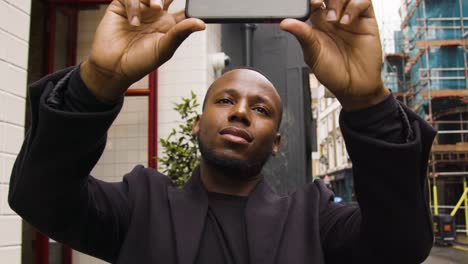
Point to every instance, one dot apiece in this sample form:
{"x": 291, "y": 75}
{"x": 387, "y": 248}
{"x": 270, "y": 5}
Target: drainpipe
{"x": 248, "y": 43}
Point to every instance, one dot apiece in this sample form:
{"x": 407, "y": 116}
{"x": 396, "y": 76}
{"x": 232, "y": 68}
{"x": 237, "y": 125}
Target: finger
{"x": 156, "y": 4}
{"x": 318, "y": 12}
{"x": 167, "y": 3}
{"x": 179, "y": 15}
{"x": 133, "y": 12}
{"x": 334, "y": 9}
{"x": 355, "y": 9}
{"x": 303, "y": 32}
{"x": 316, "y": 4}
{"x": 169, "y": 43}
{"x": 306, "y": 36}
{"x": 144, "y": 2}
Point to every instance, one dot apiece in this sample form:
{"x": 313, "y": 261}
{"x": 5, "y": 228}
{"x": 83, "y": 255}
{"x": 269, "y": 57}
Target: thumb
{"x": 169, "y": 43}
{"x": 307, "y": 37}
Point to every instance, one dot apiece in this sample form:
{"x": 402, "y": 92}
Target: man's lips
{"x": 236, "y": 135}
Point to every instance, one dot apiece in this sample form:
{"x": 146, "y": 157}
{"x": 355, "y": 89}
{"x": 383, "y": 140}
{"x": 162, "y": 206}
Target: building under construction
{"x": 428, "y": 72}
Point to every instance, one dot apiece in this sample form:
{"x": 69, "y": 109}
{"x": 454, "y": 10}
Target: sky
{"x": 387, "y": 12}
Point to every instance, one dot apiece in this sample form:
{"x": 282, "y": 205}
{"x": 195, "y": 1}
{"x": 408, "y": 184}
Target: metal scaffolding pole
{"x": 462, "y": 21}
{"x": 426, "y": 51}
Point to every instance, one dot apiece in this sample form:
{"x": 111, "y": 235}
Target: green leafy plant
{"x": 180, "y": 148}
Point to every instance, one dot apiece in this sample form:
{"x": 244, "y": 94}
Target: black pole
{"x": 248, "y": 44}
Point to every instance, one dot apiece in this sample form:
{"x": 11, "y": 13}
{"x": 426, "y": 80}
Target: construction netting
{"x": 438, "y": 19}
{"x": 442, "y": 68}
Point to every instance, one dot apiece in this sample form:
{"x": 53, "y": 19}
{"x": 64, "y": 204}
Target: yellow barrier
{"x": 463, "y": 199}
{"x": 465, "y": 187}
{"x": 436, "y": 203}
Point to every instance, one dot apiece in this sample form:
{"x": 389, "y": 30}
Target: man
{"x": 226, "y": 213}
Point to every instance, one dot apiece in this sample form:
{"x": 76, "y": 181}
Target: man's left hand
{"x": 343, "y": 49}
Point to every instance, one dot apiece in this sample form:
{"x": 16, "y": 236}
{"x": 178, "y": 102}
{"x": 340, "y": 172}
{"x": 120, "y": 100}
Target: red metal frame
{"x": 72, "y": 36}
{"x": 42, "y": 242}
{"x": 152, "y": 116}
{"x": 153, "y": 121}
{"x": 138, "y": 92}
{"x": 41, "y": 249}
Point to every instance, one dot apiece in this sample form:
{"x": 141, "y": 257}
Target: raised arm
{"x": 389, "y": 147}
{"x": 50, "y": 183}
{"x": 387, "y": 143}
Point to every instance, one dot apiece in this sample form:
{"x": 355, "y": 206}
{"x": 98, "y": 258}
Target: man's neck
{"x": 218, "y": 181}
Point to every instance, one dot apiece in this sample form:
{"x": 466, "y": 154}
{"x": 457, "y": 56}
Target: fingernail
{"x": 323, "y": 6}
{"x": 135, "y": 21}
{"x": 345, "y": 19}
{"x": 158, "y": 2}
{"x": 331, "y": 15}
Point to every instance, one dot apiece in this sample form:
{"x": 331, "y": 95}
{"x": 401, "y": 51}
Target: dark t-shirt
{"x": 224, "y": 238}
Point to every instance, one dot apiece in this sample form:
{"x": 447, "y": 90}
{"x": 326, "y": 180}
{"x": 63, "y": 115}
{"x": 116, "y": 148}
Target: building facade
{"x": 14, "y": 39}
{"x": 331, "y": 162}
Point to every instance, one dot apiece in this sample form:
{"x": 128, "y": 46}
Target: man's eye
{"x": 261, "y": 110}
{"x": 224, "y": 101}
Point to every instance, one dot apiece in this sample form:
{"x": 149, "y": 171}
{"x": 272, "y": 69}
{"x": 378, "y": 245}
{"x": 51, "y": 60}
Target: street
{"x": 457, "y": 254}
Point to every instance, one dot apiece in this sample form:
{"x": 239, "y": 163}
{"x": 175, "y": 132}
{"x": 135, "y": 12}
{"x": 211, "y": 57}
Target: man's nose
{"x": 240, "y": 113}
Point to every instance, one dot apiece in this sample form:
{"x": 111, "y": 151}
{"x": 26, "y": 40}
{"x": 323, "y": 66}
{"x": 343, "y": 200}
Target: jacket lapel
{"x": 266, "y": 214}
{"x": 189, "y": 208}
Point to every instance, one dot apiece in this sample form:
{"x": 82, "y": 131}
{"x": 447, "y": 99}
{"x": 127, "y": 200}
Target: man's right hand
{"x": 134, "y": 38}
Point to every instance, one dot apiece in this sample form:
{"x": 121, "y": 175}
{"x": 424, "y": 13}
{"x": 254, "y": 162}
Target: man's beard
{"x": 240, "y": 169}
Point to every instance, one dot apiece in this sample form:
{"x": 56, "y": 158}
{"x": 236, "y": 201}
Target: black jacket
{"x": 145, "y": 219}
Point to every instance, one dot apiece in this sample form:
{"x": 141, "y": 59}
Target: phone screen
{"x": 247, "y": 10}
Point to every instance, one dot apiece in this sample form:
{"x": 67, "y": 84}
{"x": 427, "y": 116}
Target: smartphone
{"x": 244, "y": 11}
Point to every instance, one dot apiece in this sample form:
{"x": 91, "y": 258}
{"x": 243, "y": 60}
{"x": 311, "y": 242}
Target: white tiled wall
{"x": 14, "y": 38}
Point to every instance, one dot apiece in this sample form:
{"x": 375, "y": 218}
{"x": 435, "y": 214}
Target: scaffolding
{"x": 429, "y": 73}
{"x": 448, "y": 170}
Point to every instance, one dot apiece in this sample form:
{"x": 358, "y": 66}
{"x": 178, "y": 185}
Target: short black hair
{"x": 245, "y": 68}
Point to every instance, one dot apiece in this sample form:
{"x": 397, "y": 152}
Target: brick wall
{"x": 14, "y": 37}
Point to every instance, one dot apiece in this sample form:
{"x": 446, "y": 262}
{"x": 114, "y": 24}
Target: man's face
{"x": 240, "y": 121}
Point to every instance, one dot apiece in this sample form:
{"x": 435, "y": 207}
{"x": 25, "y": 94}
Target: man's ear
{"x": 276, "y": 145}
{"x": 196, "y": 127}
